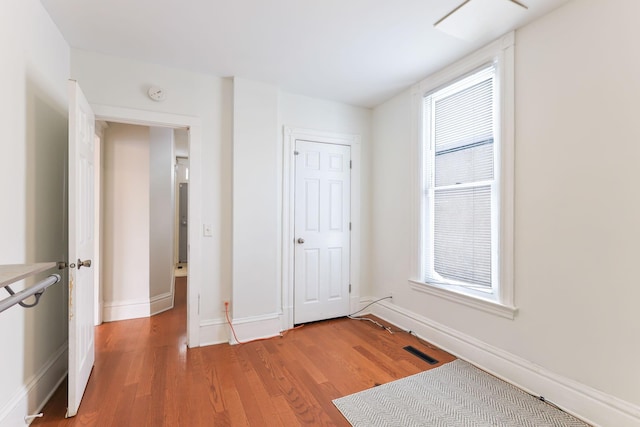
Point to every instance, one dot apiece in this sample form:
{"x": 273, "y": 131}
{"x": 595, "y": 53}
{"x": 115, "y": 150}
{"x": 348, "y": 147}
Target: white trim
{"x": 591, "y": 405}
{"x": 486, "y": 305}
{"x": 154, "y": 118}
{"x": 160, "y": 303}
{"x": 503, "y": 298}
{"x": 125, "y": 310}
{"x": 37, "y": 390}
{"x": 287, "y": 196}
{"x": 214, "y": 332}
{"x": 256, "y": 327}
{"x": 137, "y": 308}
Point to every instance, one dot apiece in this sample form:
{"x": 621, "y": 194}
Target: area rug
{"x": 452, "y": 395}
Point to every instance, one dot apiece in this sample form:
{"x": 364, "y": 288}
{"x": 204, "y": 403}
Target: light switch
{"x": 207, "y": 230}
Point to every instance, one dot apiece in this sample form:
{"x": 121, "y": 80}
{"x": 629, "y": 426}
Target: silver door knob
{"x": 86, "y": 263}
{"x": 301, "y": 240}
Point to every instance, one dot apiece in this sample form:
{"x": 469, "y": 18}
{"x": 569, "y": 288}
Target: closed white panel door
{"x": 322, "y": 236}
{"x": 81, "y": 245}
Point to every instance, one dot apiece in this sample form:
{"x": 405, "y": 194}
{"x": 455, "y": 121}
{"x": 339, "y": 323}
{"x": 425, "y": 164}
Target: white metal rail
{"x": 12, "y": 273}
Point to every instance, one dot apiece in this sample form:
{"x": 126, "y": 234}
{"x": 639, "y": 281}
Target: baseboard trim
{"x": 34, "y": 394}
{"x": 160, "y": 303}
{"x": 126, "y": 310}
{"x": 213, "y": 332}
{"x": 256, "y": 327}
{"x": 217, "y": 331}
{"x": 591, "y": 405}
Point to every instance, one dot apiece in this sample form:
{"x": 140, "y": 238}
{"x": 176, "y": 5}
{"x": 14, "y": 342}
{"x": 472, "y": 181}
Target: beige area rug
{"x": 452, "y": 395}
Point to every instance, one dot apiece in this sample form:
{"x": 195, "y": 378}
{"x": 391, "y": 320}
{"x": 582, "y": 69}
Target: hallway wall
{"x": 161, "y": 218}
{"x": 125, "y": 256}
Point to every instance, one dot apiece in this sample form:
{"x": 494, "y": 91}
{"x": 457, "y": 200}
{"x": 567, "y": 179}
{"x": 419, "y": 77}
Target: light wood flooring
{"x": 145, "y": 376}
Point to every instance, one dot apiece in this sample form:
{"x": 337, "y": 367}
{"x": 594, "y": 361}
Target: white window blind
{"x": 460, "y": 188}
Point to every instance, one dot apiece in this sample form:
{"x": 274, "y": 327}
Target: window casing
{"x": 464, "y": 219}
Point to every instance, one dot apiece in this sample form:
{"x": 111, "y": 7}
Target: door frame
{"x": 193, "y": 124}
{"x": 287, "y": 244}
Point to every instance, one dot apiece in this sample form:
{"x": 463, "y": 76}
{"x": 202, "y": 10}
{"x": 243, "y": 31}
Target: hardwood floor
{"x": 145, "y": 376}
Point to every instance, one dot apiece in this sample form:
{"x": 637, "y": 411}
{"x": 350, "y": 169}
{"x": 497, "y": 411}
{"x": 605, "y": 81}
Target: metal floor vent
{"x": 430, "y": 360}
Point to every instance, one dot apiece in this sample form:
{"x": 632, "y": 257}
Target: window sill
{"x": 486, "y": 305}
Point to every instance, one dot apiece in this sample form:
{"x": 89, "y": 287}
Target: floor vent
{"x": 430, "y": 360}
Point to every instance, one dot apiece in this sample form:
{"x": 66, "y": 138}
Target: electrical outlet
{"x": 225, "y": 306}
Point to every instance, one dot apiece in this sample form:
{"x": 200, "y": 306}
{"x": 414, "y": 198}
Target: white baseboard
{"x": 213, "y": 332}
{"x": 592, "y": 406}
{"x": 160, "y": 303}
{"x": 135, "y": 309}
{"x": 256, "y": 327}
{"x": 126, "y": 310}
{"x": 36, "y": 391}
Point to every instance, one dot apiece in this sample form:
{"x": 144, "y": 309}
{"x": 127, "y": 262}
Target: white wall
{"x": 255, "y": 202}
{"x": 577, "y": 150}
{"x": 161, "y": 218}
{"x": 125, "y": 259}
{"x": 576, "y": 177}
{"x": 33, "y": 107}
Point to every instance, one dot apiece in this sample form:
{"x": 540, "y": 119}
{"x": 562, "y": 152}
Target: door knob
{"x": 86, "y": 263}
{"x": 301, "y": 240}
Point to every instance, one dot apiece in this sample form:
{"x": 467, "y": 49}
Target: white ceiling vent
{"x": 476, "y": 19}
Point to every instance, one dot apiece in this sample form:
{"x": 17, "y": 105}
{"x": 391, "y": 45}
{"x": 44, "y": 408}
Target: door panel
{"x": 81, "y": 245}
{"x": 322, "y": 214}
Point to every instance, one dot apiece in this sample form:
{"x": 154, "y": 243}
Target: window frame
{"x": 500, "y": 300}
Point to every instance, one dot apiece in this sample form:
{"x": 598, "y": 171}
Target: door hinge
{"x": 295, "y": 153}
{"x": 350, "y": 164}
{"x": 349, "y": 287}
{"x": 349, "y": 226}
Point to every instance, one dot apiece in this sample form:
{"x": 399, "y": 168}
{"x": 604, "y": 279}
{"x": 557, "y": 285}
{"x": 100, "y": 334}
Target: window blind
{"x": 460, "y": 129}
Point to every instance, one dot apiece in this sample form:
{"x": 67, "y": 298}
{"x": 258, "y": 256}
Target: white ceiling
{"x": 359, "y": 52}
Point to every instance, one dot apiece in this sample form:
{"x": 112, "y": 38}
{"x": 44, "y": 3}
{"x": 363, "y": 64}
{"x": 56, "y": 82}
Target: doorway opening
{"x": 138, "y": 206}
{"x": 185, "y": 135}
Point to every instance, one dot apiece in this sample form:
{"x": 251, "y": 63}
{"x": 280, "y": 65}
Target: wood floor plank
{"x": 145, "y": 376}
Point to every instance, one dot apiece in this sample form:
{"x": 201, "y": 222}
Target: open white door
{"x": 81, "y": 241}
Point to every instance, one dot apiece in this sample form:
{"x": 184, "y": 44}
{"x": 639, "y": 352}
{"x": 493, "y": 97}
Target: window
{"x": 460, "y": 243}
{"x": 466, "y": 182}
